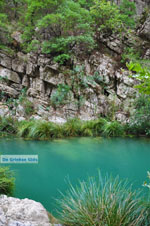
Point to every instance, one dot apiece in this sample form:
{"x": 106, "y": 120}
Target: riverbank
{"x": 44, "y": 130}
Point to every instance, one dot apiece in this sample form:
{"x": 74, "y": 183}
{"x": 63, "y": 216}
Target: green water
{"x": 75, "y": 159}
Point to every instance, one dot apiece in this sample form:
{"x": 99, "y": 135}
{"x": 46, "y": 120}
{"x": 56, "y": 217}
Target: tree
{"x": 128, "y": 12}
{"x": 3, "y": 22}
{"x": 106, "y": 17}
{"x": 58, "y": 27}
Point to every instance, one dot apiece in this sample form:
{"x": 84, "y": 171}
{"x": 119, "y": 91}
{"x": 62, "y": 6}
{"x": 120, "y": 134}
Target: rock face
{"x": 145, "y": 29}
{"x": 25, "y": 212}
{"x": 32, "y": 86}
{"x": 87, "y": 97}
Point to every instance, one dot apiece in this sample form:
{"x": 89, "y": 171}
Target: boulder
{"x": 25, "y": 212}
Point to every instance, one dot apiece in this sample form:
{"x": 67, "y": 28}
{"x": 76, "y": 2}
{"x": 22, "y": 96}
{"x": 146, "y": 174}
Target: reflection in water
{"x": 75, "y": 159}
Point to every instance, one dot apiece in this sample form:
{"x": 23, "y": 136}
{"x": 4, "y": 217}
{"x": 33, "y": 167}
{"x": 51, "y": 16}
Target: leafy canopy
{"x": 143, "y": 75}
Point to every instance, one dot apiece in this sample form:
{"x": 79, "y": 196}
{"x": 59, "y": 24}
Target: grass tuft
{"x": 99, "y": 202}
{"x": 113, "y": 129}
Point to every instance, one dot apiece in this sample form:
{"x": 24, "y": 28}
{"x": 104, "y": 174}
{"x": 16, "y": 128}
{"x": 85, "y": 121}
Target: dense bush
{"x": 63, "y": 28}
{"x": 6, "y": 181}
{"x": 60, "y": 96}
{"x": 143, "y": 75}
{"x": 140, "y": 120}
{"x": 8, "y": 126}
{"x": 61, "y": 25}
{"x": 128, "y": 12}
{"x": 113, "y": 129}
{"x": 106, "y": 17}
{"x": 102, "y": 202}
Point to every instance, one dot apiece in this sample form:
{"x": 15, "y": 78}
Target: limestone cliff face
{"x": 103, "y": 88}
{"x": 111, "y": 88}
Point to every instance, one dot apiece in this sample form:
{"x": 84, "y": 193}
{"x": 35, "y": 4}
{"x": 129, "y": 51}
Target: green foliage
{"x": 72, "y": 127}
{"x": 63, "y": 28}
{"x": 128, "y": 13}
{"x": 65, "y": 23}
{"x": 106, "y": 17}
{"x": 79, "y": 82}
{"x": 6, "y": 181}
{"x": 86, "y": 3}
{"x": 8, "y": 126}
{"x": 143, "y": 75}
{"x": 113, "y": 129}
{"x": 28, "y": 107}
{"x": 39, "y": 130}
{"x": 3, "y": 29}
{"x": 44, "y": 130}
{"x": 22, "y": 96}
{"x": 140, "y": 121}
{"x": 24, "y": 128}
{"x": 27, "y": 104}
{"x": 100, "y": 202}
{"x": 93, "y": 127}
{"x": 61, "y": 96}
{"x": 130, "y": 54}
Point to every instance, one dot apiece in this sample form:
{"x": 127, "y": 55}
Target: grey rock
{"x": 17, "y": 36}
{"x": 145, "y": 29}
{"x": 10, "y": 91}
{"x": 4, "y": 110}
{"x": 25, "y": 81}
{"x": 10, "y": 75}
{"x": 21, "y": 118}
{"x": 18, "y": 65}
{"x": 23, "y": 212}
{"x": 32, "y": 93}
{"x": 5, "y": 61}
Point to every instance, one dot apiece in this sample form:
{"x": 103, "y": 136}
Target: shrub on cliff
{"x": 140, "y": 119}
{"x": 6, "y": 181}
{"x": 102, "y": 202}
{"x": 106, "y": 18}
{"x": 58, "y": 27}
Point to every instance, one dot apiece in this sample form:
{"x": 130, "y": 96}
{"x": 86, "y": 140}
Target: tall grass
{"x": 24, "y": 128}
{"x": 72, "y": 127}
{"x": 8, "y": 125}
{"x": 93, "y": 127}
{"x": 6, "y": 181}
{"x": 45, "y": 130}
{"x": 113, "y": 129}
{"x": 99, "y": 202}
{"x": 40, "y": 129}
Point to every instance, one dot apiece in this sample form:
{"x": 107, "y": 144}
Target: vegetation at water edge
{"x": 6, "y": 181}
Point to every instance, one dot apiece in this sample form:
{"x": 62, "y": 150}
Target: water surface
{"x": 75, "y": 159}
